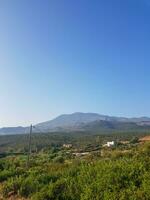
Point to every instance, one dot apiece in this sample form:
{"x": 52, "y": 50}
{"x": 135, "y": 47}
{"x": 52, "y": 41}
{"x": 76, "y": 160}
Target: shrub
{"x": 5, "y": 174}
{"x": 12, "y": 185}
{"x": 29, "y": 186}
{"x": 58, "y": 159}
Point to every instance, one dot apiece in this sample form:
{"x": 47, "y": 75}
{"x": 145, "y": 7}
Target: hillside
{"x": 83, "y": 122}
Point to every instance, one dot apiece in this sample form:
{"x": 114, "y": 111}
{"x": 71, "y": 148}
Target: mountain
{"x": 13, "y": 130}
{"x": 71, "y": 120}
{"x": 114, "y": 126}
{"x": 84, "y": 122}
{"x": 79, "y": 120}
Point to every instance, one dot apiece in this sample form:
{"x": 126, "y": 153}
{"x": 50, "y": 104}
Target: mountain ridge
{"x": 80, "y": 121}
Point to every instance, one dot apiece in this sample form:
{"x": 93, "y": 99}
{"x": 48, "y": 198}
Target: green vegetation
{"x": 56, "y": 173}
{"x": 19, "y": 143}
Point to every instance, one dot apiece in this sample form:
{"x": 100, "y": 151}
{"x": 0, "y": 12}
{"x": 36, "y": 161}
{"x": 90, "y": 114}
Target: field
{"x": 84, "y": 170}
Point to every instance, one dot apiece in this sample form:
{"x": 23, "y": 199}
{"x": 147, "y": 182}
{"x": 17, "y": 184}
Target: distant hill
{"x": 13, "y": 130}
{"x": 84, "y": 122}
{"x": 113, "y": 126}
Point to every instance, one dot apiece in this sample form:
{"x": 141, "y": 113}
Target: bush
{"x": 5, "y": 174}
{"x": 58, "y": 159}
{"x": 12, "y": 185}
{"x": 29, "y": 186}
{"x": 52, "y": 192}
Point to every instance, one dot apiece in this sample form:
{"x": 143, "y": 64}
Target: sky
{"x": 65, "y": 56}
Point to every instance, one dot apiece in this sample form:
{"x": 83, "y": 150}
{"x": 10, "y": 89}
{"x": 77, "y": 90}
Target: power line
{"x": 29, "y": 147}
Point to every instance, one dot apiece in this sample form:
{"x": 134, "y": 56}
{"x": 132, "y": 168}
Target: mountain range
{"x": 83, "y": 122}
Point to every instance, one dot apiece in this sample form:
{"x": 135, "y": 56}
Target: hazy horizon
{"x": 44, "y": 120}
{"x": 65, "y": 56}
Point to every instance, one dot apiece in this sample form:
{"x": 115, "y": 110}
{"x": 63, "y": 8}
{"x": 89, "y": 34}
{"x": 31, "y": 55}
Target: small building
{"x": 67, "y": 145}
{"x": 109, "y": 144}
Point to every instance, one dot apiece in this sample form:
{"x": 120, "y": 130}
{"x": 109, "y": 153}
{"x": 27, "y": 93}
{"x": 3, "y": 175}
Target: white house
{"x": 67, "y": 145}
{"x": 109, "y": 144}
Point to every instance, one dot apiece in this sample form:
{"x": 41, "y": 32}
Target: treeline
{"x": 19, "y": 143}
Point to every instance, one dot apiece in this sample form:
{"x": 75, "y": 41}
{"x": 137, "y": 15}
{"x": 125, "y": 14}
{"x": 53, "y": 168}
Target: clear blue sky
{"x": 62, "y": 56}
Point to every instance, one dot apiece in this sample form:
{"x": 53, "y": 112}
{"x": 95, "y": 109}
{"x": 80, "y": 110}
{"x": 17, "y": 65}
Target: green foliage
{"x": 28, "y": 186}
{"x": 134, "y": 140}
{"x": 12, "y": 185}
{"x": 52, "y": 142}
{"x": 59, "y": 159}
{"x": 5, "y": 174}
{"x": 117, "y": 175}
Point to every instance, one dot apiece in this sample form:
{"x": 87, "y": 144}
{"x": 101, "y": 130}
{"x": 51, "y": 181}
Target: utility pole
{"x": 29, "y": 147}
